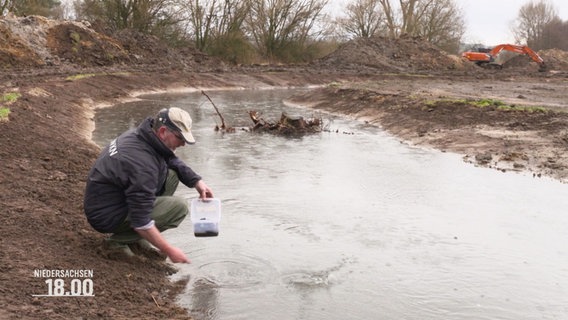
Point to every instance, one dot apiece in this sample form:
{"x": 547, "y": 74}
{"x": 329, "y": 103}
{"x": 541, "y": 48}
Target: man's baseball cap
{"x": 177, "y": 120}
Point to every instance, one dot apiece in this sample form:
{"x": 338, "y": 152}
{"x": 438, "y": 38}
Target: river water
{"x": 353, "y": 224}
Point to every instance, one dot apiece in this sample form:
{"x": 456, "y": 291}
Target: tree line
{"x": 245, "y": 31}
{"x": 539, "y": 26}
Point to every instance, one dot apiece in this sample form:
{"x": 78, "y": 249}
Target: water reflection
{"x": 336, "y": 226}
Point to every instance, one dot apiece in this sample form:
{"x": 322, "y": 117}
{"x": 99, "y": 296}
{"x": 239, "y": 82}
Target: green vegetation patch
{"x": 4, "y": 113}
{"x": 75, "y": 37}
{"x": 7, "y": 99}
{"x": 524, "y": 109}
{"x": 484, "y": 103}
{"x": 432, "y": 103}
{"x": 10, "y": 97}
{"x": 500, "y": 105}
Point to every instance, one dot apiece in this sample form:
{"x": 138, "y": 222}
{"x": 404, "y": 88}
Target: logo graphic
{"x": 66, "y": 283}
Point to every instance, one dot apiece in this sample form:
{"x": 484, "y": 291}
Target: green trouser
{"x": 168, "y": 212}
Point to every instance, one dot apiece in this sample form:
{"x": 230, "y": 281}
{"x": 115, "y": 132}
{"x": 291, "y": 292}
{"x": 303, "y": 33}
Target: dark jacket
{"x": 127, "y": 176}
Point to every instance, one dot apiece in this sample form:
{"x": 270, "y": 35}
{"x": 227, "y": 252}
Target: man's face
{"x": 171, "y": 138}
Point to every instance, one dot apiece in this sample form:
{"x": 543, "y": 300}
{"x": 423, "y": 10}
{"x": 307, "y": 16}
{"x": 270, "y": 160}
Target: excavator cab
{"x": 480, "y": 58}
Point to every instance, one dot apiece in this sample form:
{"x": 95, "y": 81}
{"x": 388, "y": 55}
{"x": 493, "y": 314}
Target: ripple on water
{"x": 307, "y": 280}
{"x": 318, "y": 279}
{"x": 238, "y": 271}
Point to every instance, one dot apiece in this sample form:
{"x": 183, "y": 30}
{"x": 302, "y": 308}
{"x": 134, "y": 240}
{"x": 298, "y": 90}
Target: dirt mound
{"x": 555, "y": 59}
{"x": 23, "y": 42}
{"x": 40, "y": 42}
{"x": 517, "y": 61}
{"x": 80, "y": 45}
{"x": 405, "y": 54}
{"x": 149, "y": 50}
{"x": 37, "y": 41}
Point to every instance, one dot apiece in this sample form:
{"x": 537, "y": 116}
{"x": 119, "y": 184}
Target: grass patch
{"x": 524, "y": 109}
{"x": 4, "y": 113}
{"x": 487, "y": 102}
{"x": 500, "y": 105}
{"x": 483, "y": 103}
{"x": 432, "y": 103}
{"x": 7, "y": 98}
{"x": 10, "y": 97}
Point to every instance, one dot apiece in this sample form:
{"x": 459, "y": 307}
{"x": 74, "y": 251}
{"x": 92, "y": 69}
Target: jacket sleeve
{"x": 185, "y": 174}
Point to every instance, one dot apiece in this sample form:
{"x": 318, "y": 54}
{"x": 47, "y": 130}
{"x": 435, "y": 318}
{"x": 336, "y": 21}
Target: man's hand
{"x": 176, "y": 255}
{"x": 154, "y": 236}
{"x": 204, "y": 191}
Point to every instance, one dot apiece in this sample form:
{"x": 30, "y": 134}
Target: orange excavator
{"x": 487, "y": 57}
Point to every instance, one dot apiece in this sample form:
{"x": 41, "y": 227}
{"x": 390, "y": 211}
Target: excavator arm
{"x": 487, "y": 58}
{"x": 518, "y": 49}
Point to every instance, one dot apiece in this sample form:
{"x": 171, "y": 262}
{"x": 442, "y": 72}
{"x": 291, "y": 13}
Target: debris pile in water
{"x": 287, "y": 125}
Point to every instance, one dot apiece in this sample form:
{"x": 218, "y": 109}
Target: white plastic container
{"x": 205, "y": 217}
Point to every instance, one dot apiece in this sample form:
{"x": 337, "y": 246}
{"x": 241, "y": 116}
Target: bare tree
{"x": 437, "y": 21}
{"x": 46, "y": 8}
{"x": 147, "y": 16}
{"x": 441, "y": 23}
{"x": 214, "y": 19}
{"x": 554, "y": 35}
{"x": 280, "y": 26}
{"x": 411, "y": 11}
{"x": 404, "y": 18}
{"x": 216, "y": 26}
{"x": 364, "y": 19}
{"x": 390, "y": 18}
{"x": 232, "y": 17}
{"x": 201, "y": 15}
{"x": 531, "y": 21}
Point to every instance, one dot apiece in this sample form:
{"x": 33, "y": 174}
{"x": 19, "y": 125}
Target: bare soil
{"x": 412, "y": 90}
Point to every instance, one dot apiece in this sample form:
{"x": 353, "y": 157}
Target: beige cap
{"x": 179, "y": 120}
